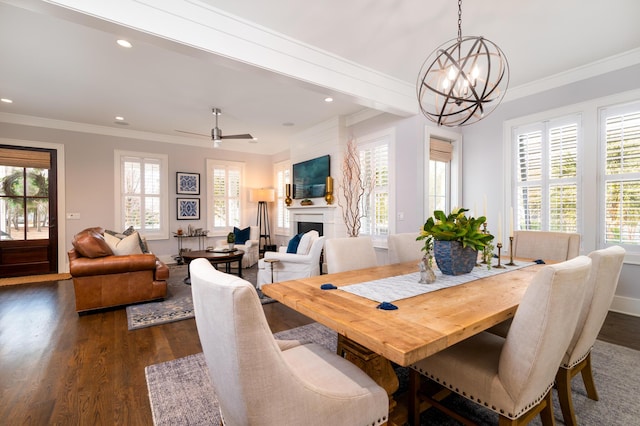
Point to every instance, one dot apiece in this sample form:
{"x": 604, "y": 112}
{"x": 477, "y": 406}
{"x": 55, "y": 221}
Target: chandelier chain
{"x": 459, "y": 20}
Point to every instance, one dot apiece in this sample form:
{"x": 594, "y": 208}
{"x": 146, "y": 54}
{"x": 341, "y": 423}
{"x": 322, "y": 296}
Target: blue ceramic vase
{"x": 453, "y": 259}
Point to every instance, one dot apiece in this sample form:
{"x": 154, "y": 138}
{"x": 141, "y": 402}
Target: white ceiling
{"x": 63, "y": 65}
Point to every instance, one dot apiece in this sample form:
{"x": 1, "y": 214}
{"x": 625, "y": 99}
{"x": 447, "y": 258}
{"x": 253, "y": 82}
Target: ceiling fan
{"x": 216, "y": 132}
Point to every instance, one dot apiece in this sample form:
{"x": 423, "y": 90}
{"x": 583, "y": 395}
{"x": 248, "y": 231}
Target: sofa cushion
{"x": 306, "y": 241}
{"x": 242, "y": 235}
{"x": 124, "y": 246}
{"x": 90, "y": 243}
{"x": 292, "y": 247}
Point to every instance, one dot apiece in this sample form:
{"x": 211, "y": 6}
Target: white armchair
{"x": 250, "y": 248}
{"x": 290, "y": 266}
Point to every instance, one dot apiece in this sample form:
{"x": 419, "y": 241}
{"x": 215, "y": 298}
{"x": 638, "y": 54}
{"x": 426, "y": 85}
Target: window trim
{"x": 210, "y": 165}
{"x": 455, "y": 166}
{"x": 282, "y": 166}
{"x": 163, "y": 232}
{"x": 590, "y": 109}
{"x": 382, "y": 136}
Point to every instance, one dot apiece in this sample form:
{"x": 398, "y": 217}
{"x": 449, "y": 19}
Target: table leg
{"x": 379, "y": 369}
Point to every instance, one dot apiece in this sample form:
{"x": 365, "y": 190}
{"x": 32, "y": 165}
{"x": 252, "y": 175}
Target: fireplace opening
{"x": 310, "y": 226}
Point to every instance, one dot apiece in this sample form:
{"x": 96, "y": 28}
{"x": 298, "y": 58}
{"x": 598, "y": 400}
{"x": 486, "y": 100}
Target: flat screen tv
{"x": 310, "y": 177}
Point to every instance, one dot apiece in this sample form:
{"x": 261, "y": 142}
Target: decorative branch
{"x": 353, "y": 188}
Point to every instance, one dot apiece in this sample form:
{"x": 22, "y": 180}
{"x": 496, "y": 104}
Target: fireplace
{"x": 321, "y": 218}
{"x": 310, "y": 226}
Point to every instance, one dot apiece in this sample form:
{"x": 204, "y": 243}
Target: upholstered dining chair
{"x": 599, "y": 292}
{"x": 347, "y": 254}
{"x": 556, "y": 246}
{"x": 262, "y": 381}
{"x": 404, "y": 247}
{"x": 514, "y": 376}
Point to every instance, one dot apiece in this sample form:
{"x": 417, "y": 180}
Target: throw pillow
{"x": 292, "y": 247}
{"x": 125, "y": 246}
{"x": 242, "y": 235}
{"x": 306, "y": 241}
{"x": 129, "y": 231}
{"x": 90, "y": 243}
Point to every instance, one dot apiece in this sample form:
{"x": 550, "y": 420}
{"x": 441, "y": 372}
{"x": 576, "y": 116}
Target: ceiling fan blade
{"x": 245, "y": 136}
{"x": 193, "y": 133}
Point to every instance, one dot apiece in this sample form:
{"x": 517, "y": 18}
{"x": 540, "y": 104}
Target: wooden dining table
{"x": 421, "y": 326}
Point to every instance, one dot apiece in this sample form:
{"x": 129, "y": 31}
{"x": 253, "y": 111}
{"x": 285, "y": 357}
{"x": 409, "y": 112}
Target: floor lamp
{"x": 262, "y": 197}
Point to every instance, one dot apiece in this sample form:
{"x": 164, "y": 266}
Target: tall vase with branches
{"x": 354, "y": 188}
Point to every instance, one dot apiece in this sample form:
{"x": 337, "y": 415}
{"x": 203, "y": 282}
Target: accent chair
{"x": 250, "y": 247}
{"x": 262, "y": 381}
{"x": 290, "y": 266}
{"x": 514, "y": 376}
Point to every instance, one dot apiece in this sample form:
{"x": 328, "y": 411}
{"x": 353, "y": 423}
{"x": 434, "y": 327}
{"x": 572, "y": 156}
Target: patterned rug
{"x": 180, "y": 391}
{"x": 178, "y": 305}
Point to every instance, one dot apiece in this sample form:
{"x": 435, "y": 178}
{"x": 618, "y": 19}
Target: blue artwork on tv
{"x": 310, "y": 177}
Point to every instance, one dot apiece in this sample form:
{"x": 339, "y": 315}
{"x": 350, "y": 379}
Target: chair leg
{"x": 587, "y": 378}
{"x": 563, "y": 384}
{"x": 546, "y": 415}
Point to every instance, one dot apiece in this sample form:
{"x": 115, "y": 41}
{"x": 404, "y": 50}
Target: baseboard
{"x": 626, "y": 305}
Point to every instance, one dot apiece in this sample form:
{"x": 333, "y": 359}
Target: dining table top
{"x": 422, "y": 325}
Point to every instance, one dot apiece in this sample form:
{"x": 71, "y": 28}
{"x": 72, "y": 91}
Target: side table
{"x": 272, "y": 262}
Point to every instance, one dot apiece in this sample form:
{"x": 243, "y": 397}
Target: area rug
{"x": 180, "y": 391}
{"x": 178, "y": 305}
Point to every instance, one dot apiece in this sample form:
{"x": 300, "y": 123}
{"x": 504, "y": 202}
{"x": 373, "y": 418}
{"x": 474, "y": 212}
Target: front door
{"x": 28, "y": 208}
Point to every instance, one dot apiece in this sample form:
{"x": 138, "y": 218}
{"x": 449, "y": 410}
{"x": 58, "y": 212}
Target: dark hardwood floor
{"x": 60, "y": 368}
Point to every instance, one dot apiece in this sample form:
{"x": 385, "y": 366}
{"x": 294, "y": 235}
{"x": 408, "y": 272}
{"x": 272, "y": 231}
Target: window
{"x": 224, "y": 205}
{"x": 283, "y": 177}
{"x": 546, "y": 175}
{"x": 374, "y": 154}
{"x": 439, "y": 175}
{"x": 620, "y": 186}
{"x": 142, "y": 198}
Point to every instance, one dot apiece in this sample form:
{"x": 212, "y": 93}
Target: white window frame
{"x": 282, "y": 176}
{"x": 591, "y": 163}
{"x": 211, "y": 165}
{"x": 454, "y": 198}
{"x": 604, "y": 113}
{"x": 388, "y": 137}
{"x": 155, "y": 234}
{"x": 546, "y": 182}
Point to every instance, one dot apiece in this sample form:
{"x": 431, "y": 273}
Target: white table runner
{"x": 405, "y": 286}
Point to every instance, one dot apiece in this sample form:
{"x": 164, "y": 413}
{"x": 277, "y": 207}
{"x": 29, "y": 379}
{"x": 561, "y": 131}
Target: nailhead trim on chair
{"x": 573, "y": 364}
{"x": 478, "y": 401}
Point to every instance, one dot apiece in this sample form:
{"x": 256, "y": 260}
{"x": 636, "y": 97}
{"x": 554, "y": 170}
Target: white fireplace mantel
{"x": 325, "y": 214}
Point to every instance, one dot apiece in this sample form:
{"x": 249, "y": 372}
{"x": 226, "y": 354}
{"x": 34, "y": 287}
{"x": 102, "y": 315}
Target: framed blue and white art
{"x": 188, "y": 208}
{"x": 188, "y": 183}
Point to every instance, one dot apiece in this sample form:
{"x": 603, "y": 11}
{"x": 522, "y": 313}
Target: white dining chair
{"x": 347, "y": 254}
{"x": 261, "y": 381}
{"x": 600, "y": 289}
{"x": 404, "y": 247}
{"x": 555, "y": 246}
{"x": 514, "y": 376}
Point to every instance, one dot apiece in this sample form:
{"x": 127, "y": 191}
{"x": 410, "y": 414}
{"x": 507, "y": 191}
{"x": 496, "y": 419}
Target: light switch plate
{"x": 73, "y": 216}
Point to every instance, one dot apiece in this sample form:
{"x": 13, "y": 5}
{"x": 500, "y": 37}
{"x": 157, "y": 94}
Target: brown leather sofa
{"x": 103, "y": 280}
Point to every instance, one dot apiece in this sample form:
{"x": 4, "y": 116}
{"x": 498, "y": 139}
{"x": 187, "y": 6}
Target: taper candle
{"x": 499, "y": 228}
{"x": 511, "y": 221}
{"x": 484, "y": 205}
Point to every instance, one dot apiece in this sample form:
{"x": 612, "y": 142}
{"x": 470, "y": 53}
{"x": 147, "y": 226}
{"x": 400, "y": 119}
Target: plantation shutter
{"x": 529, "y": 178}
{"x": 622, "y": 177}
{"x": 563, "y": 187}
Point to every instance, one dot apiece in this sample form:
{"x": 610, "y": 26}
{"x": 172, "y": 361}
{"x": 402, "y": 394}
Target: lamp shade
{"x": 262, "y": 194}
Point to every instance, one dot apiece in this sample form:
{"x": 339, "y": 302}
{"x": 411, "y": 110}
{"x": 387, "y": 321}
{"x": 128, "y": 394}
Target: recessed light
{"x": 119, "y": 118}
{"x": 287, "y": 124}
{"x": 6, "y": 101}
{"x": 328, "y": 99}
{"x": 124, "y": 43}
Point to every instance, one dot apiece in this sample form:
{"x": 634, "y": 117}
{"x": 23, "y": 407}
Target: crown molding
{"x": 603, "y": 66}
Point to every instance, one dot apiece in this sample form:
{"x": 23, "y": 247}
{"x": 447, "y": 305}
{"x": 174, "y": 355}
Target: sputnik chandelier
{"x": 463, "y": 80}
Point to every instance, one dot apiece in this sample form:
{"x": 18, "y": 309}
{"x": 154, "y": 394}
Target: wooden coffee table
{"x": 215, "y": 258}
